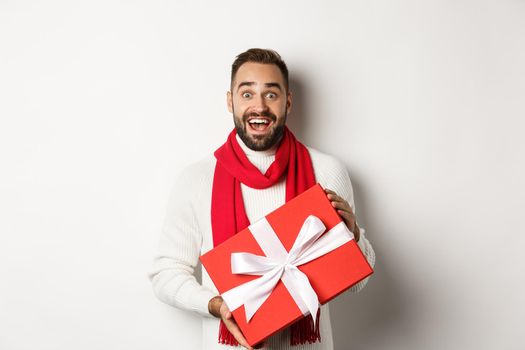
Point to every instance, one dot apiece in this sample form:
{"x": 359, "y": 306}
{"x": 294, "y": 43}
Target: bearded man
{"x": 259, "y": 168}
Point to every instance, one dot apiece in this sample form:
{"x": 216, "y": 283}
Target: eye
{"x": 246, "y": 94}
{"x": 271, "y": 95}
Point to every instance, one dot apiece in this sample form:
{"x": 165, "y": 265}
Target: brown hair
{"x": 264, "y": 56}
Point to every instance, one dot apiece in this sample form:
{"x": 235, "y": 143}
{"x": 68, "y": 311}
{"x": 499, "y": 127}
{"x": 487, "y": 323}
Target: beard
{"x": 260, "y": 142}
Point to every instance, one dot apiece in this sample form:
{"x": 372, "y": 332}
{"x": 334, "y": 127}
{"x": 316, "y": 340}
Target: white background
{"x": 103, "y": 102}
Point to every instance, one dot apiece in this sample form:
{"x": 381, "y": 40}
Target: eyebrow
{"x": 251, "y": 83}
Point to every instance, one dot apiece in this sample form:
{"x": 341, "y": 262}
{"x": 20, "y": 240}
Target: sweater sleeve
{"x": 172, "y": 275}
{"x": 338, "y": 180}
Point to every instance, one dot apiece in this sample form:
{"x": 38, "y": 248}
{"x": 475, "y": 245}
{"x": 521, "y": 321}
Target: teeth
{"x": 259, "y": 121}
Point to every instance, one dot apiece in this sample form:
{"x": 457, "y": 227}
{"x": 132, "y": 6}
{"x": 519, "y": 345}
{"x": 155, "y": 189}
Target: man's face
{"x": 259, "y": 103}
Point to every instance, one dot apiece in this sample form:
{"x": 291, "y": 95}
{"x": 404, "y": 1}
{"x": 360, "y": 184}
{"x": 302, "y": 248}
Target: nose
{"x": 260, "y": 105}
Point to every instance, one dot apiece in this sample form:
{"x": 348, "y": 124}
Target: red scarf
{"x": 228, "y": 215}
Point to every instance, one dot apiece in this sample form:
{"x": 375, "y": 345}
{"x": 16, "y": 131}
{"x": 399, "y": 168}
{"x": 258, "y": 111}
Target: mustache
{"x": 266, "y": 114}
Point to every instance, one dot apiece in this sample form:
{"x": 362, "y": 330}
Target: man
{"x": 258, "y": 169}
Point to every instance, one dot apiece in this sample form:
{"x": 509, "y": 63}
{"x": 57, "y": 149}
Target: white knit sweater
{"x": 187, "y": 234}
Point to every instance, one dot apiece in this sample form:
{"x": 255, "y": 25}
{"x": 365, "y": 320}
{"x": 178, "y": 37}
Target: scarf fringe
{"x": 225, "y": 337}
{"x": 301, "y": 332}
{"x": 304, "y": 331}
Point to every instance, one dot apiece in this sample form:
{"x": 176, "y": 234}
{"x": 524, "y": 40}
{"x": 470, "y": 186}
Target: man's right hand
{"x": 219, "y": 309}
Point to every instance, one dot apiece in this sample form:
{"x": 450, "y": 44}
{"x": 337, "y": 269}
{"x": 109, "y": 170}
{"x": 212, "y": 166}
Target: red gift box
{"x": 329, "y": 275}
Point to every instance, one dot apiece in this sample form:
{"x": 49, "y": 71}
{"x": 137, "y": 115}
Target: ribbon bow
{"x": 278, "y": 264}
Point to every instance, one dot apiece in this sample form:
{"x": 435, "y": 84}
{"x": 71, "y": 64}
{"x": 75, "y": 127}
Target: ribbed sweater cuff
{"x": 201, "y": 300}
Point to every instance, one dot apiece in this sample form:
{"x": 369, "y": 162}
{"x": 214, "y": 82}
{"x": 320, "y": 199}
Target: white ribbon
{"x": 278, "y": 264}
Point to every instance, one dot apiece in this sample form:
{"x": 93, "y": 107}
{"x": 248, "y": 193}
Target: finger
{"x": 349, "y": 219}
{"x": 240, "y": 338}
{"x": 332, "y": 195}
{"x": 346, "y": 215}
{"x": 329, "y": 191}
{"x": 343, "y": 206}
{"x": 336, "y": 198}
{"x": 236, "y": 332}
{"x": 225, "y": 311}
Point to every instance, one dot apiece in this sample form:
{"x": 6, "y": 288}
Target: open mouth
{"x": 259, "y": 124}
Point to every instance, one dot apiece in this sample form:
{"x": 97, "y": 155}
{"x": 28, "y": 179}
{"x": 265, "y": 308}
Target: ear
{"x": 229, "y": 101}
{"x": 289, "y": 102}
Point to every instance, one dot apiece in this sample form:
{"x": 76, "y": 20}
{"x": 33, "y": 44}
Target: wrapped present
{"x": 280, "y": 268}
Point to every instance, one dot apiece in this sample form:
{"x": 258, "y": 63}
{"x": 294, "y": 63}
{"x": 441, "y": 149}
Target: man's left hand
{"x": 345, "y": 212}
